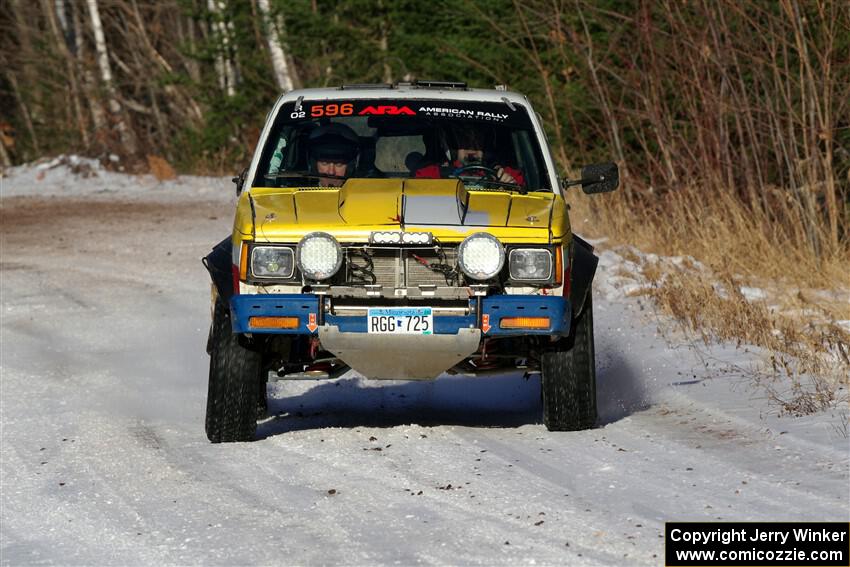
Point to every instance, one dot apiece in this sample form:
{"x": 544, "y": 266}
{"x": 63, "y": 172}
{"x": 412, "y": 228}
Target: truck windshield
{"x": 485, "y": 144}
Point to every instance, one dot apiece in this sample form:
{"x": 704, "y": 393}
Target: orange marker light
{"x": 559, "y": 265}
{"x": 243, "y": 262}
{"x": 273, "y": 322}
{"x": 524, "y": 323}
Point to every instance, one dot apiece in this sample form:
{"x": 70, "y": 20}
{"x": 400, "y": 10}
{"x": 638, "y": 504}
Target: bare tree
{"x": 29, "y": 112}
{"x": 89, "y": 86}
{"x": 62, "y": 39}
{"x": 283, "y": 72}
{"x": 118, "y": 117}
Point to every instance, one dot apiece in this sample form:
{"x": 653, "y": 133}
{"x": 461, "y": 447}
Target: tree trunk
{"x": 610, "y": 117}
{"x": 280, "y": 63}
{"x": 125, "y": 134}
{"x": 5, "y": 161}
{"x": 25, "y": 113}
{"x": 383, "y": 43}
{"x": 223, "y": 61}
{"x": 98, "y": 116}
{"x": 232, "y": 50}
{"x": 62, "y": 39}
{"x": 178, "y": 99}
{"x": 191, "y": 62}
{"x": 33, "y": 93}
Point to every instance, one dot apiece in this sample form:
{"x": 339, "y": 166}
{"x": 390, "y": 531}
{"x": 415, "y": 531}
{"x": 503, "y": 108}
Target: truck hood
{"x": 363, "y": 205}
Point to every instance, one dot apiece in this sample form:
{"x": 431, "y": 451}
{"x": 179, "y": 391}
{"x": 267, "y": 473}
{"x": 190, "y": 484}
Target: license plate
{"x": 400, "y": 320}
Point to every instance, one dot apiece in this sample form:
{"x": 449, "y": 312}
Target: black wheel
{"x": 569, "y": 378}
{"x": 235, "y": 371}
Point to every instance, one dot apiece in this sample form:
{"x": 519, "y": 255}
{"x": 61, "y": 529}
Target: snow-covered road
{"x": 105, "y": 311}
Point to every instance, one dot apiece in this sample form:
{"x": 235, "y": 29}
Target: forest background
{"x": 729, "y": 119}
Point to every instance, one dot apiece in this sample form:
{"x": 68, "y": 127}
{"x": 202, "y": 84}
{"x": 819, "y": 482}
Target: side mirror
{"x": 597, "y": 178}
{"x": 239, "y": 180}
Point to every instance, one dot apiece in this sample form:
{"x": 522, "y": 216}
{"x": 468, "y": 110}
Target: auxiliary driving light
{"x": 395, "y": 237}
{"x": 481, "y": 256}
{"x": 318, "y": 256}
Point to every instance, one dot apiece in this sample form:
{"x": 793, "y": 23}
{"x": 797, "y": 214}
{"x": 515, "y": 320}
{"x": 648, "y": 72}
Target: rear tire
{"x": 569, "y": 378}
{"x": 233, "y": 380}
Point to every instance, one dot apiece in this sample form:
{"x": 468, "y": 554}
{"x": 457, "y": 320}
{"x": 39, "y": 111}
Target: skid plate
{"x": 399, "y": 357}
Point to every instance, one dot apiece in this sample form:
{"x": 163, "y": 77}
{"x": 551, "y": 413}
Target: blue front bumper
{"x": 493, "y": 309}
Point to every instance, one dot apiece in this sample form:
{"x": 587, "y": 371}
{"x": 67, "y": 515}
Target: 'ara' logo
{"x": 387, "y": 109}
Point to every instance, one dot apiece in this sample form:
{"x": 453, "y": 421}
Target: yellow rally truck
{"x": 402, "y": 231}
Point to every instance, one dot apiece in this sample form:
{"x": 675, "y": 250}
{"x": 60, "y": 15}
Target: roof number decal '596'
{"x": 347, "y": 109}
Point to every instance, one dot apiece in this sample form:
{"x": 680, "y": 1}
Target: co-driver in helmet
{"x": 467, "y": 155}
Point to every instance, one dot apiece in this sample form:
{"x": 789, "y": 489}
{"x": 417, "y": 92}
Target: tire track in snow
{"x": 127, "y": 381}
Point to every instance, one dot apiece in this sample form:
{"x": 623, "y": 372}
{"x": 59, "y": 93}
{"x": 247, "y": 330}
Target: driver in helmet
{"x": 332, "y": 151}
{"x": 468, "y": 150}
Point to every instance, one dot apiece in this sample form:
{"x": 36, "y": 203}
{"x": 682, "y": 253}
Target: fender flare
{"x": 582, "y": 270}
{"x": 219, "y": 265}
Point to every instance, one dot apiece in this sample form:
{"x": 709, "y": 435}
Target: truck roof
{"x": 432, "y": 90}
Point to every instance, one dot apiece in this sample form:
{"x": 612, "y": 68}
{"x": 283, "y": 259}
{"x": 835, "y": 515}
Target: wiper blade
{"x": 286, "y": 174}
{"x": 509, "y": 188}
{"x": 306, "y": 174}
{"x": 493, "y": 185}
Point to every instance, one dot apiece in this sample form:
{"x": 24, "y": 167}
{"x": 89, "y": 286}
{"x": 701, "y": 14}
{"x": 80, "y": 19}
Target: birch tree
{"x": 224, "y": 65}
{"x": 98, "y": 115}
{"x": 126, "y": 135}
{"x": 283, "y": 71}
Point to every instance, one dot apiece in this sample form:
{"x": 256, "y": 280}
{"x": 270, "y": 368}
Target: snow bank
{"x": 76, "y": 176}
{"x": 625, "y": 273}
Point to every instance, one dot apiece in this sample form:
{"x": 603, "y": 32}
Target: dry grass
{"x": 795, "y": 322}
{"x": 722, "y": 233}
{"x": 812, "y": 351}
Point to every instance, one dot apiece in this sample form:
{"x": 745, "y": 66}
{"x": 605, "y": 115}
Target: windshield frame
{"x": 512, "y": 104}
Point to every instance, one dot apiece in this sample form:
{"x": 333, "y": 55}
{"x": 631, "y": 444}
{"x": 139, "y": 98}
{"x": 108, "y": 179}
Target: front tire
{"x": 233, "y": 383}
{"x": 569, "y": 378}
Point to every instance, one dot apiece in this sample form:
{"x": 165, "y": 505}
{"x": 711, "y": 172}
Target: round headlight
{"x": 481, "y": 256}
{"x": 318, "y": 256}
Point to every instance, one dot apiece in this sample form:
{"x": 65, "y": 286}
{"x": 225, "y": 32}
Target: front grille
{"x": 398, "y": 267}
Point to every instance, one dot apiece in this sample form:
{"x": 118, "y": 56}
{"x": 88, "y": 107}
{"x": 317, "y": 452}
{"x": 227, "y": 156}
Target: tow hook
{"x": 314, "y": 347}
